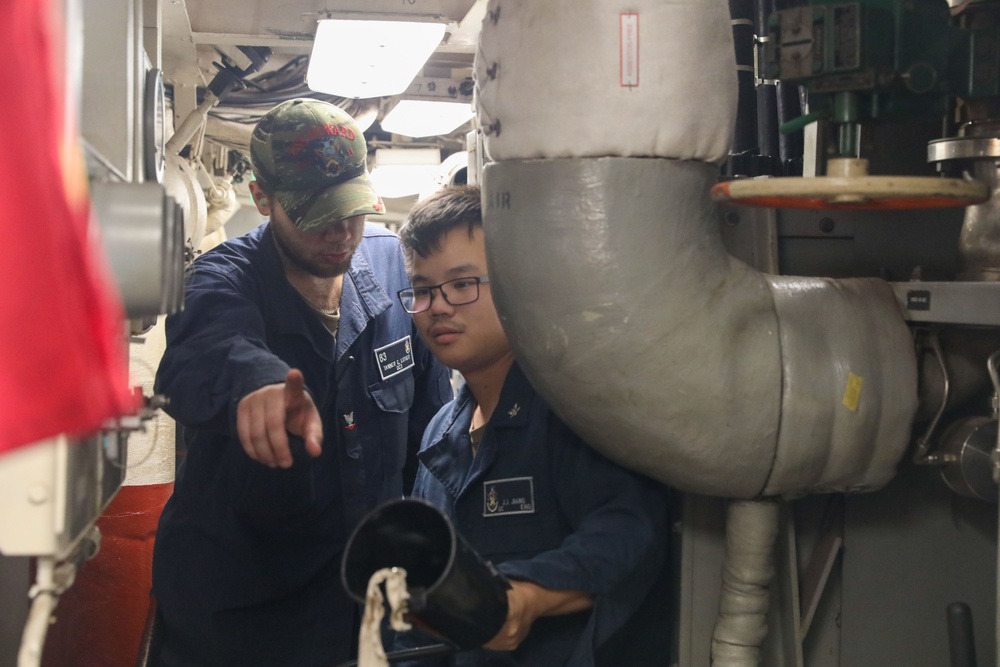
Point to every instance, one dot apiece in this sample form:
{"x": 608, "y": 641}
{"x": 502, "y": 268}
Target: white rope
{"x": 371, "y": 653}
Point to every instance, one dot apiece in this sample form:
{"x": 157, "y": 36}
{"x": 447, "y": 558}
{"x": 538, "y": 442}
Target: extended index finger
{"x": 306, "y": 422}
{"x": 295, "y": 386}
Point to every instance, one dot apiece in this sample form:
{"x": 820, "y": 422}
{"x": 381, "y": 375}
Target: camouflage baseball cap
{"x": 311, "y": 156}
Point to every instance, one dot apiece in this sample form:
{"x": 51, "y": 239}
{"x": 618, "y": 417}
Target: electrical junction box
{"x": 51, "y": 492}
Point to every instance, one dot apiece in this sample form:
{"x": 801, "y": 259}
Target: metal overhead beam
{"x": 180, "y": 57}
{"x": 287, "y": 44}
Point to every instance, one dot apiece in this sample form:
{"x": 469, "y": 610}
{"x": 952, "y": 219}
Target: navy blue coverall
{"x": 247, "y": 558}
{"x": 544, "y": 507}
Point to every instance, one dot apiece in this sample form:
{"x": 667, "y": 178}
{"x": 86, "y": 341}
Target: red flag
{"x": 63, "y": 353}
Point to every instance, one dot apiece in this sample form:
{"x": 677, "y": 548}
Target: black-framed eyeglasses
{"x": 457, "y": 292}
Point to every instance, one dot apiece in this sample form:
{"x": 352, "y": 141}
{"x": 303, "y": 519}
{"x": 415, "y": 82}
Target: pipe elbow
{"x": 675, "y": 359}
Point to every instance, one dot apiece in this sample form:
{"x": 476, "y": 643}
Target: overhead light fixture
{"x": 401, "y": 172}
{"x": 424, "y": 118}
{"x": 363, "y": 59}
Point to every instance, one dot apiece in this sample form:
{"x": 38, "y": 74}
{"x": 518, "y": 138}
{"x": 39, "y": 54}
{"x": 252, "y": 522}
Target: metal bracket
{"x": 972, "y": 303}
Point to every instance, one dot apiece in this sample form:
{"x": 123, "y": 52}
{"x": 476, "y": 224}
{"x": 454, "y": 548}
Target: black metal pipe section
{"x": 767, "y": 102}
{"x": 961, "y": 640}
{"x": 419, "y": 653}
{"x": 745, "y": 139}
{"x": 455, "y": 595}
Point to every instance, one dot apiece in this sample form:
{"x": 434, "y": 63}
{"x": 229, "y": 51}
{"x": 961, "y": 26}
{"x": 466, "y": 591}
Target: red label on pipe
{"x": 629, "y": 50}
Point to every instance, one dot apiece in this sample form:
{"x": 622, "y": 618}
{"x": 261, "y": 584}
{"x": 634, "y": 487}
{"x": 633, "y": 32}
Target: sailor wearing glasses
{"x": 582, "y": 540}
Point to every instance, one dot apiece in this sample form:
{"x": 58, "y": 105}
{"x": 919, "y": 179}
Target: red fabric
{"x": 63, "y": 356}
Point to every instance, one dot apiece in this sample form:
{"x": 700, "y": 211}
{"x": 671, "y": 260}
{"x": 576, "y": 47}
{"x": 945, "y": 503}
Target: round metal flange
{"x": 853, "y": 192}
{"x": 966, "y": 447}
{"x": 963, "y": 148}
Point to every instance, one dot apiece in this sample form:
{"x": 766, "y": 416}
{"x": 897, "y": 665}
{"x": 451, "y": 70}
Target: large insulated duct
{"x": 606, "y": 122}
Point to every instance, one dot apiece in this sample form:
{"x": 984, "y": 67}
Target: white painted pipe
{"x": 740, "y": 629}
{"x": 192, "y": 124}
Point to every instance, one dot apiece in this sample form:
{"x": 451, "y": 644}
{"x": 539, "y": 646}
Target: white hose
{"x": 740, "y": 629}
{"x": 44, "y": 599}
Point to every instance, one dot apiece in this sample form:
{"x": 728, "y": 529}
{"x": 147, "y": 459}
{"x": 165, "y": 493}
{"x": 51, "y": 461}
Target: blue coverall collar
{"x": 449, "y": 455}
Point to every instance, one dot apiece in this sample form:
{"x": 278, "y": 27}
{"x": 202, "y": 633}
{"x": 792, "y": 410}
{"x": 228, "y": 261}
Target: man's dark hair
{"x": 430, "y": 219}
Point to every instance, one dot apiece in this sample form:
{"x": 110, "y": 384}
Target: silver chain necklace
{"x": 328, "y": 313}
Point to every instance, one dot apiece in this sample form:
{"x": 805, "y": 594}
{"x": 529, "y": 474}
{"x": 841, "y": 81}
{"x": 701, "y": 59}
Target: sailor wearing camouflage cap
{"x": 302, "y": 390}
{"x": 311, "y": 179}
{"x": 312, "y": 157}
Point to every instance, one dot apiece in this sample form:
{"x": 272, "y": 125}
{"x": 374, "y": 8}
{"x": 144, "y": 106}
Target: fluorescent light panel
{"x": 364, "y": 59}
{"x": 424, "y": 118}
{"x": 400, "y": 172}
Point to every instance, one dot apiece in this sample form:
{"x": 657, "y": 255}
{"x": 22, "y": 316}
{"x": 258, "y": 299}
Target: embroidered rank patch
{"x": 509, "y": 496}
{"x": 394, "y": 358}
